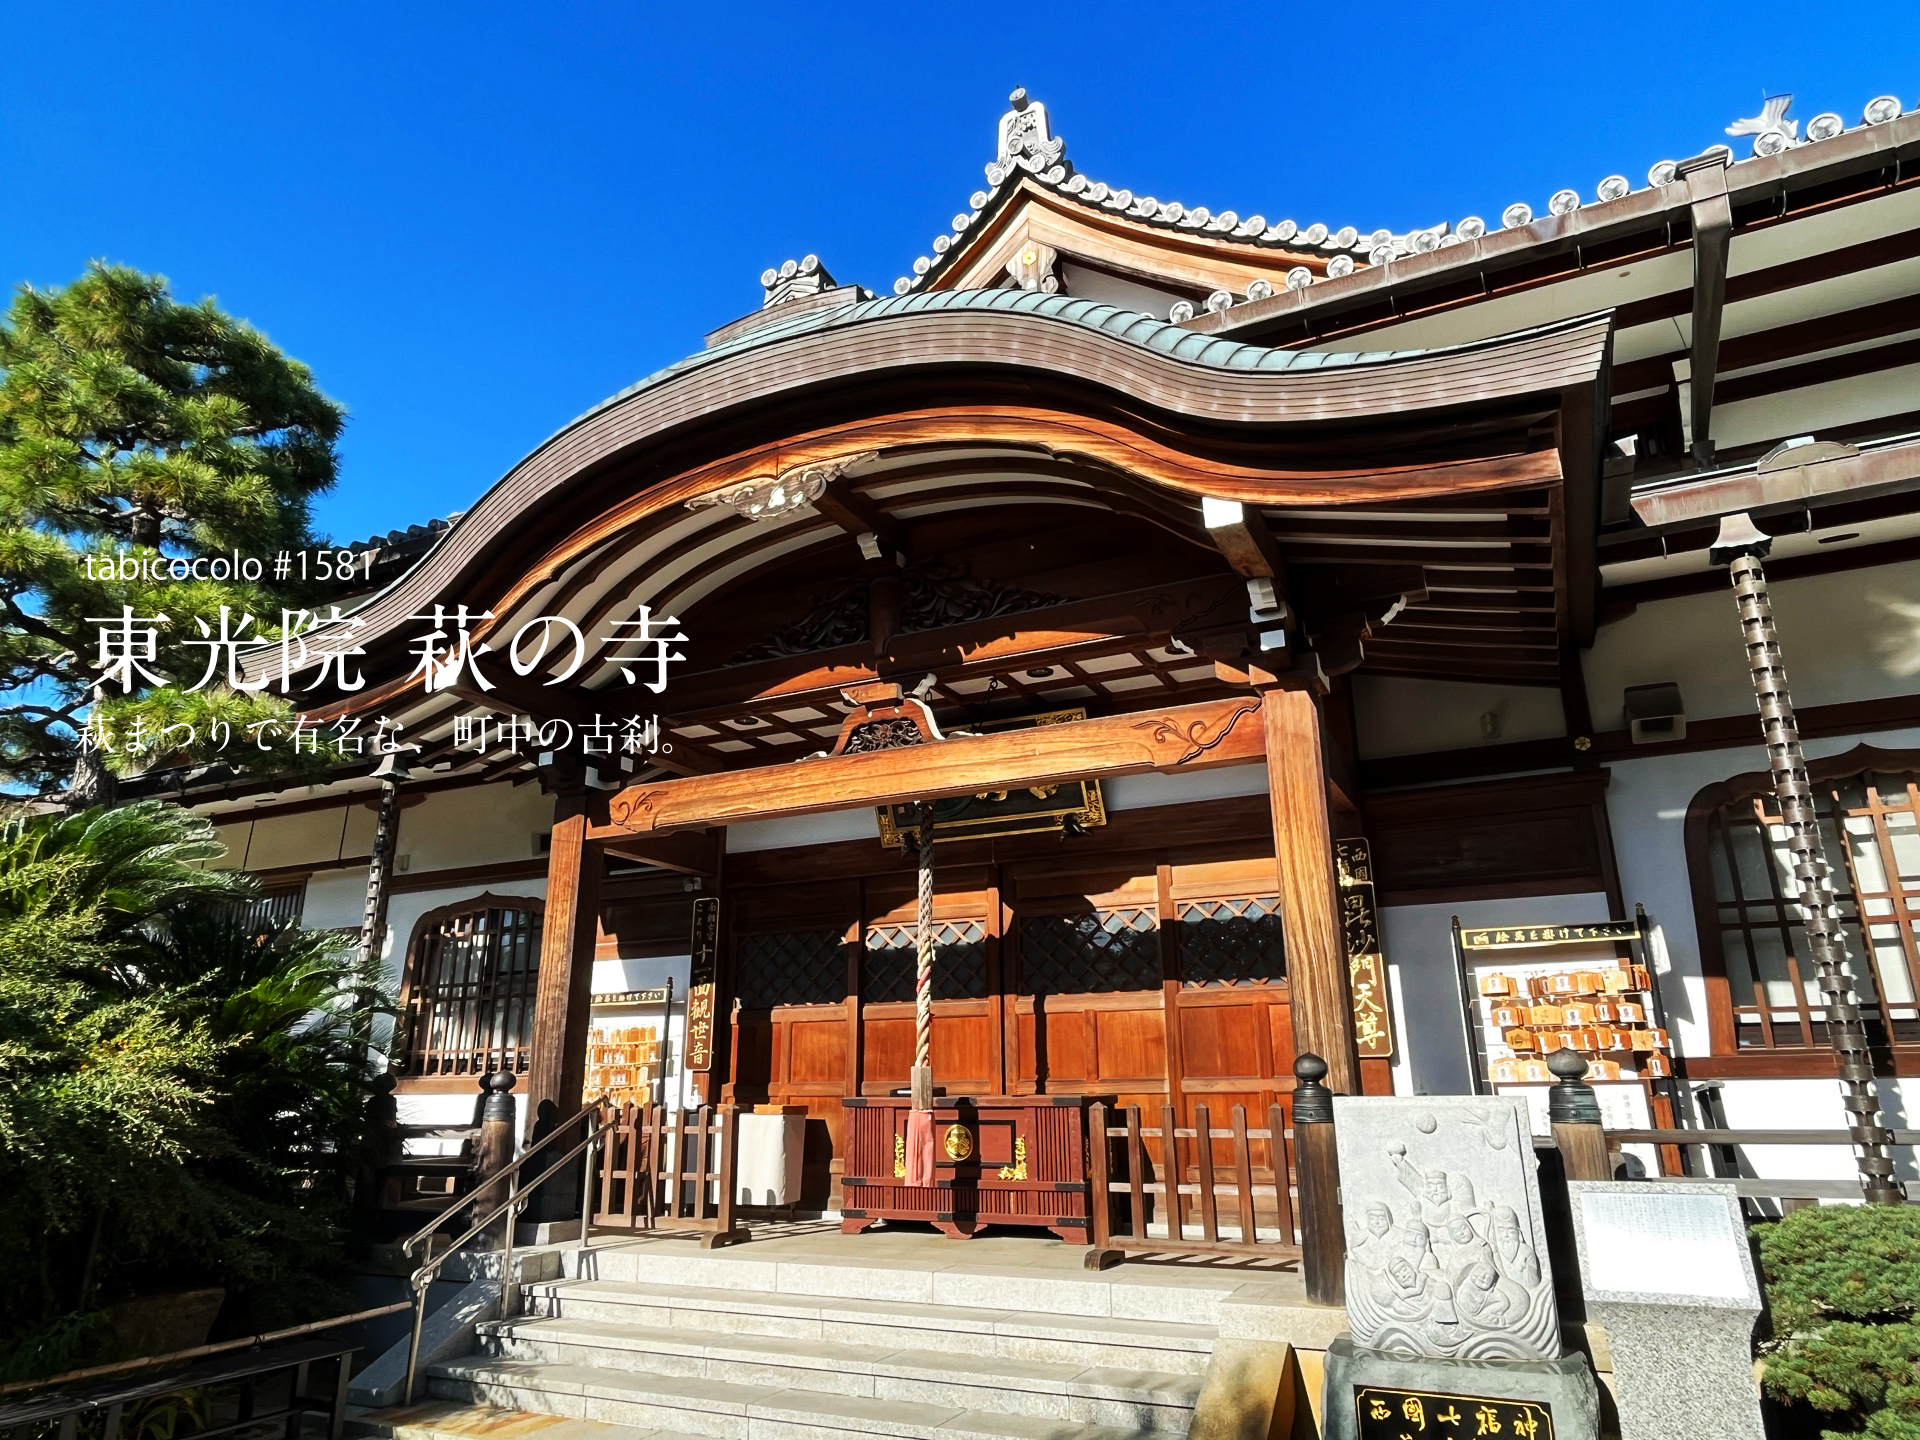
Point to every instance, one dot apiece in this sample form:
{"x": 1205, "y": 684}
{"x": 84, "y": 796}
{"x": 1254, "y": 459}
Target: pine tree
{"x": 133, "y": 425}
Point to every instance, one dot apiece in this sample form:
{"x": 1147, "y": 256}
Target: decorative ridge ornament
{"x": 1771, "y": 130}
{"x": 792, "y": 489}
{"x": 795, "y": 280}
{"x": 1026, "y": 140}
{"x": 1027, "y": 146}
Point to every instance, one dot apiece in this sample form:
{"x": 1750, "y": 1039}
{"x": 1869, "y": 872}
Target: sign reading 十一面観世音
{"x": 1390, "y": 1414}
{"x": 1518, "y": 937}
{"x": 700, "y": 983}
{"x": 1366, "y": 965}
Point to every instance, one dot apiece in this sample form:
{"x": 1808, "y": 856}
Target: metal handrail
{"x": 509, "y": 1287}
{"x": 432, "y": 1227}
{"x": 174, "y": 1357}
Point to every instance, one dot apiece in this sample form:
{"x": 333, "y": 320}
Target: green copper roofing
{"x": 1129, "y": 325}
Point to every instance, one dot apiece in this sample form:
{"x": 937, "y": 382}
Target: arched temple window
{"x": 1762, "y": 985}
{"x": 472, "y": 972}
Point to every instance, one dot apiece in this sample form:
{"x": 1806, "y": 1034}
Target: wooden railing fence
{"x": 671, "y": 1170}
{"x": 1714, "y": 1156}
{"x": 1164, "y": 1212}
{"x": 1140, "y": 1189}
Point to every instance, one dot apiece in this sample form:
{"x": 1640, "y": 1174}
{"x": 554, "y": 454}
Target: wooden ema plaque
{"x": 998, "y": 1160}
{"x": 1397, "y": 1414}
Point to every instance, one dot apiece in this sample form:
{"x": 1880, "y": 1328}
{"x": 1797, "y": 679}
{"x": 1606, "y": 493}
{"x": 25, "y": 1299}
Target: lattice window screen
{"x": 791, "y": 967}
{"x": 474, "y": 997}
{"x": 959, "y": 962}
{"x": 1872, "y": 840}
{"x": 1106, "y": 950}
{"x": 1232, "y": 942}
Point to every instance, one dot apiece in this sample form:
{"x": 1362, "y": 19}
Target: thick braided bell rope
{"x": 923, "y": 940}
{"x": 1801, "y": 822}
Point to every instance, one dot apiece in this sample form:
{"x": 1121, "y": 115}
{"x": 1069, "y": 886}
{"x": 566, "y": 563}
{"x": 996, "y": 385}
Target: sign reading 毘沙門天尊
{"x": 705, "y": 948}
{"x": 1383, "y": 1414}
{"x": 1519, "y": 937}
{"x": 1366, "y": 965}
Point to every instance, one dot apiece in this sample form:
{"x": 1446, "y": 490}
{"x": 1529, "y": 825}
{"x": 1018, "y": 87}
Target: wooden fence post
{"x": 1574, "y": 1111}
{"x": 726, "y": 1134}
{"x": 1101, "y": 1253}
{"x": 493, "y": 1151}
{"x": 1323, "y": 1240}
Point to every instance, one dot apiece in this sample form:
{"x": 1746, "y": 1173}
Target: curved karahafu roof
{"x": 929, "y": 404}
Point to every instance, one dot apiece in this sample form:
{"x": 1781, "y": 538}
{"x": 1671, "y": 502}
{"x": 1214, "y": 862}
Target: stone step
{"x": 1191, "y": 1296}
{"x": 1146, "y": 1343}
{"x": 442, "y": 1420}
{"x": 731, "y": 1411}
{"x": 1078, "y": 1389}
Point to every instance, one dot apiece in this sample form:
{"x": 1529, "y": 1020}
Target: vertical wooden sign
{"x": 700, "y": 996}
{"x": 1366, "y": 966}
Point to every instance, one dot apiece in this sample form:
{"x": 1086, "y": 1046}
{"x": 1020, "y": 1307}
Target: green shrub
{"x": 1843, "y": 1284}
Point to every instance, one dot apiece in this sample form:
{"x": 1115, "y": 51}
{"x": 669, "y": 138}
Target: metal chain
{"x": 377, "y": 869}
{"x": 1787, "y": 761}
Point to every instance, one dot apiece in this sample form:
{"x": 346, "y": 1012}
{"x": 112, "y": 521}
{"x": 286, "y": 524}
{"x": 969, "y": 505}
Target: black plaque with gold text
{"x": 1420, "y": 1415}
{"x": 1366, "y": 966}
{"x": 1408, "y": 1414}
{"x": 700, "y": 982}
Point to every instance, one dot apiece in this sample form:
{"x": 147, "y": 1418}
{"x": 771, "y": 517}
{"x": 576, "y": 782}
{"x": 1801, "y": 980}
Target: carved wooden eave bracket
{"x": 1182, "y": 738}
{"x": 884, "y": 717}
{"x": 767, "y": 497}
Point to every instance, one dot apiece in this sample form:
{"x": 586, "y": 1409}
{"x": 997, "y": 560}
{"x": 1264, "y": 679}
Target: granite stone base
{"x": 1565, "y": 1386}
{"x": 1683, "y": 1370}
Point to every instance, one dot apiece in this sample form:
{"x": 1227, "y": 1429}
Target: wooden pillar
{"x": 1316, "y": 1165}
{"x": 562, "y": 1002}
{"x": 1303, "y": 852}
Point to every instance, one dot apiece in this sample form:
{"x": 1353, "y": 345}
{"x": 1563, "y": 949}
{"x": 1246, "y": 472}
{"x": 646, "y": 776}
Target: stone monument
{"x": 1668, "y": 1272}
{"x": 1450, "y": 1301}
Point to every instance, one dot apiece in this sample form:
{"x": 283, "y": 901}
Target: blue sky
{"x": 476, "y": 221}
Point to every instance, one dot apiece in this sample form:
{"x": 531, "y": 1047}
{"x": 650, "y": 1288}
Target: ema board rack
{"x": 1529, "y": 990}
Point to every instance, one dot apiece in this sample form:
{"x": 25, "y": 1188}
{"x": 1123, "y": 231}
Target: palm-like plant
{"x": 180, "y": 1089}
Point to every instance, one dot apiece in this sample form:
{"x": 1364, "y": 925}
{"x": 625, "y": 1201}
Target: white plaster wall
{"x": 1845, "y": 636}
{"x": 1811, "y": 1105}
{"x": 335, "y": 899}
{"x": 834, "y": 825}
{"x": 475, "y": 825}
{"x": 1396, "y": 715}
{"x": 311, "y": 837}
{"x": 1142, "y": 792}
{"x": 1430, "y": 1049}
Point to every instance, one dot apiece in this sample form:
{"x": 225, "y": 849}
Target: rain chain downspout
{"x": 1740, "y": 546}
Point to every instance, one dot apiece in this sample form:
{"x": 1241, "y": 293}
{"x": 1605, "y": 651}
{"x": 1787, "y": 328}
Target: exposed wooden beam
{"x": 1176, "y": 740}
{"x": 856, "y": 514}
{"x": 513, "y": 696}
{"x": 1099, "y": 625}
{"x": 690, "y": 852}
{"x": 1241, "y": 534}
{"x": 1712, "y": 213}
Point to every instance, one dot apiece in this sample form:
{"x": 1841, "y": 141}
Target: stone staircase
{"x": 664, "y": 1340}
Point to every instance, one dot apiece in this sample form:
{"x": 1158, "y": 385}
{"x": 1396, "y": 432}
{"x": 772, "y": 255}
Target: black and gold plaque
{"x": 1422, "y": 1415}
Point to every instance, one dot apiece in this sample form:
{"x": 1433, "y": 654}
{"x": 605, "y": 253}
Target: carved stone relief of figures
{"x": 1446, "y": 1248}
